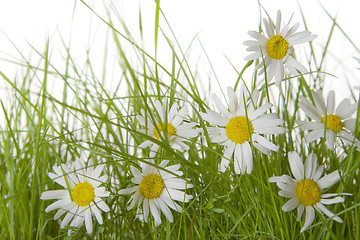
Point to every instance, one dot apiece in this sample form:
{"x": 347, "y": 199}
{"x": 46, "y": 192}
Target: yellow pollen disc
{"x": 308, "y": 192}
{"x": 83, "y": 194}
{"x": 239, "y": 129}
{"x": 170, "y": 129}
{"x": 151, "y": 186}
{"x": 333, "y": 122}
{"x": 277, "y": 47}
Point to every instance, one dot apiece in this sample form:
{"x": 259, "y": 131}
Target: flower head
{"x": 157, "y": 190}
{"x": 275, "y": 47}
{"x": 169, "y": 126}
{"x": 239, "y": 125}
{"x": 306, "y": 190}
{"x": 329, "y": 122}
{"x": 81, "y": 197}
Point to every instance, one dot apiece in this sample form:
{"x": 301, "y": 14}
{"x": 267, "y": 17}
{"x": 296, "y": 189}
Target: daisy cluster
{"x": 242, "y": 126}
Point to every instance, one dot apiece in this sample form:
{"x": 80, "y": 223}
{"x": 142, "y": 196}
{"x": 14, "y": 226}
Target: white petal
{"x": 247, "y": 156}
{"x": 330, "y": 138}
{"x": 279, "y": 73}
{"x": 290, "y": 205}
{"x": 310, "y": 125}
{"x": 310, "y": 216}
{"x": 330, "y": 102}
{"x": 350, "y": 124}
{"x": 257, "y": 36}
{"x": 88, "y": 221}
{"x": 329, "y": 180}
{"x": 164, "y": 208}
{"x": 265, "y": 143}
{"x": 345, "y": 109}
{"x": 276, "y": 179}
{"x": 301, "y": 209}
{"x": 214, "y": 118}
{"x": 287, "y": 194}
{"x": 296, "y": 165}
{"x": 261, "y": 148}
{"x": 177, "y": 183}
{"x": 309, "y": 109}
{"x": 278, "y": 22}
{"x": 97, "y": 213}
{"x": 178, "y": 195}
{"x": 301, "y": 37}
{"x": 252, "y": 56}
{"x": 59, "y": 214}
{"x": 155, "y": 212}
{"x": 320, "y": 104}
{"x": 314, "y": 135}
{"x": 239, "y": 165}
{"x": 270, "y": 130}
{"x": 318, "y": 173}
{"x": 58, "y": 204}
{"x": 101, "y": 204}
{"x": 220, "y": 106}
{"x": 260, "y": 111}
{"x": 145, "y": 144}
{"x": 265, "y": 122}
{"x": 54, "y": 194}
{"x": 146, "y": 209}
{"x": 327, "y": 212}
{"x": 310, "y": 165}
{"x": 66, "y": 219}
{"x": 269, "y": 27}
{"x": 128, "y": 190}
{"x": 332, "y": 201}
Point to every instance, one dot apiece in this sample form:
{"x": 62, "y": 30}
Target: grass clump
{"x": 219, "y": 188}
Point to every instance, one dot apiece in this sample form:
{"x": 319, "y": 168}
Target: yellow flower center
{"x": 333, "y": 122}
{"x": 83, "y": 194}
{"x": 151, "y": 186}
{"x": 308, "y": 192}
{"x": 239, "y": 129}
{"x": 170, "y": 129}
{"x": 277, "y": 47}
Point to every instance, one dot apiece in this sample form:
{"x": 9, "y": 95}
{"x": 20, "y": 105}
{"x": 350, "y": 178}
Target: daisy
{"x": 81, "y": 197}
{"x": 157, "y": 190}
{"x": 275, "y": 48}
{"x": 329, "y": 122}
{"x": 306, "y": 189}
{"x": 170, "y": 126}
{"x": 239, "y": 125}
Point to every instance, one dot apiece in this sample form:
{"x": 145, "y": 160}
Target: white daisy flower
{"x": 177, "y": 132}
{"x": 157, "y": 190}
{"x": 239, "y": 125}
{"x": 329, "y": 122}
{"x": 275, "y": 48}
{"x": 306, "y": 189}
{"x": 81, "y": 197}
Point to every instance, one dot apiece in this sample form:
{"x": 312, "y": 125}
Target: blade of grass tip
{"x": 8, "y": 206}
{"x": 325, "y": 48}
{"x": 143, "y": 60}
{"x": 157, "y": 14}
{"x": 248, "y": 64}
{"x": 9, "y": 124}
{"x": 39, "y": 138}
{"x": 183, "y": 62}
{"x": 342, "y": 31}
{"x": 306, "y": 28}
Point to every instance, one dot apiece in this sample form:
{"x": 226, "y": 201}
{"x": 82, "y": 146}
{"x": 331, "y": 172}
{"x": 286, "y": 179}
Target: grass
{"x": 41, "y": 129}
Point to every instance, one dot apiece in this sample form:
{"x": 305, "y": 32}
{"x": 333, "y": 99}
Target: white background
{"x": 221, "y": 26}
